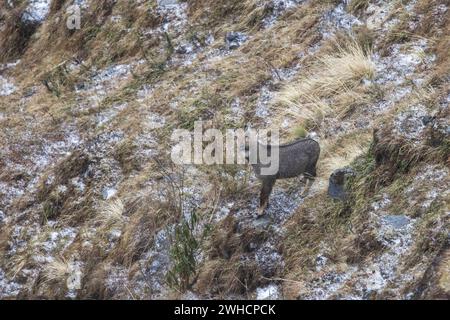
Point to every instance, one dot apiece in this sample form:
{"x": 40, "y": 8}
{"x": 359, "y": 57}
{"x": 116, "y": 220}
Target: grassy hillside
{"x": 91, "y": 205}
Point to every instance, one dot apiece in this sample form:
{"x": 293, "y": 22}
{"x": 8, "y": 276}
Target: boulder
{"x": 338, "y": 183}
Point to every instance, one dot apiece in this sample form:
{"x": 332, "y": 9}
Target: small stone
{"x": 426, "y": 120}
{"x": 234, "y": 40}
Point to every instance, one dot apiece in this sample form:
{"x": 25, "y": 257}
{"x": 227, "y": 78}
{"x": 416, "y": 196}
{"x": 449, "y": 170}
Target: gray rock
{"x": 234, "y": 40}
{"x": 397, "y": 222}
{"x": 338, "y": 183}
{"x": 427, "y": 120}
{"x": 165, "y": 3}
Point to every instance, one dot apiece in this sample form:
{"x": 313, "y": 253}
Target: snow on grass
{"x": 8, "y": 288}
{"x": 271, "y": 292}
{"x": 399, "y": 69}
{"x": 337, "y": 19}
{"x": 402, "y": 62}
{"x": 9, "y": 65}
{"x": 74, "y": 280}
{"x": 436, "y": 178}
{"x": 58, "y": 239}
{"x": 174, "y": 15}
{"x": 156, "y": 262}
{"x": 36, "y": 11}
{"x": 103, "y": 81}
{"x": 410, "y": 124}
{"x": 378, "y": 15}
{"x": 6, "y": 87}
{"x": 108, "y": 192}
{"x": 108, "y": 115}
{"x": 279, "y": 7}
{"x": 396, "y": 234}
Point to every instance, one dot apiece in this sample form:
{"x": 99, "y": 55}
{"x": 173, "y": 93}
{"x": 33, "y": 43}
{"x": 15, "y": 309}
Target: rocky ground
{"x": 91, "y": 205}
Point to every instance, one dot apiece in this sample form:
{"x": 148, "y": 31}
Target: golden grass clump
{"x": 111, "y": 214}
{"x": 307, "y": 100}
{"x": 340, "y": 152}
{"x": 56, "y": 271}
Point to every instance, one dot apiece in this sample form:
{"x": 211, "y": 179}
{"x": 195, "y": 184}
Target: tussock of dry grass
{"x": 111, "y": 214}
{"x": 340, "y": 152}
{"x": 310, "y": 98}
{"x": 56, "y": 271}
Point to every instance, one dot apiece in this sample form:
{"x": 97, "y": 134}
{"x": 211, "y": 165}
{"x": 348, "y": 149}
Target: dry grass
{"x": 330, "y": 90}
{"x": 334, "y": 75}
{"x": 57, "y": 271}
{"x": 226, "y": 271}
{"x": 340, "y": 152}
{"x": 358, "y": 6}
{"x": 111, "y": 215}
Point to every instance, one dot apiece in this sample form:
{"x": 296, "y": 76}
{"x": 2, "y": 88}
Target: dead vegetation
{"x": 331, "y": 93}
{"x": 226, "y": 271}
{"x": 16, "y": 33}
{"x": 335, "y": 75}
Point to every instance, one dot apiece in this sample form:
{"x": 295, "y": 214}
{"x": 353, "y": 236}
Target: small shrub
{"x": 183, "y": 254}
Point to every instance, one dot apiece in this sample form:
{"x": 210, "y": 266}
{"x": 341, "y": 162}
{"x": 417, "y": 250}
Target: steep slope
{"x": 91, "y": 205}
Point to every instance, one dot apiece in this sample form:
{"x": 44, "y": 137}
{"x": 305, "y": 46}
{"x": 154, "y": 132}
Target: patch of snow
{"x": 321, "y": 261}
{"x": 395, "y": 233}
{"x": 378, "y": 15}
{"x": 328, "y": 284}
{"x": 433, "y": 178}
{"x": 2, "y": 217}
{"x": 60, "y": 239}
{"x": 337, "y": 19}
{"x": 113, "y": 72}
{"x": 278, "y": 7}
{"x": 114, "y": 235}
{"x": 381, "y": 204}
{"x": 83, "y": 4}
{"x": 9, "y": 65}
{"x": 409, "y": 123}
{"x": 109, "y": 114}
{"x": 156, "y": 262}
{"x": 155, "y": 121}
{"x": 271, "y": 292}
{"x": 103, "y": 81}
{"x": 174, "y": 15}
{"x": 117, "y": 278}
{"x": 79, "y": 184}
{"x": 236, "y": 111}
{"x": 402, "y": 62}
{"x": 8, "y": 288}
{"x": 262, "y": 105}
{"x": 6, "y": 87}
{"x": 74, "y": 280}
{"x": 268, "y": 258}
{"x": 116, "y": 19}
{"x": 36, "y": 11}
{"x": 144, "y": 92}
{"x": 108, "y": 193}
